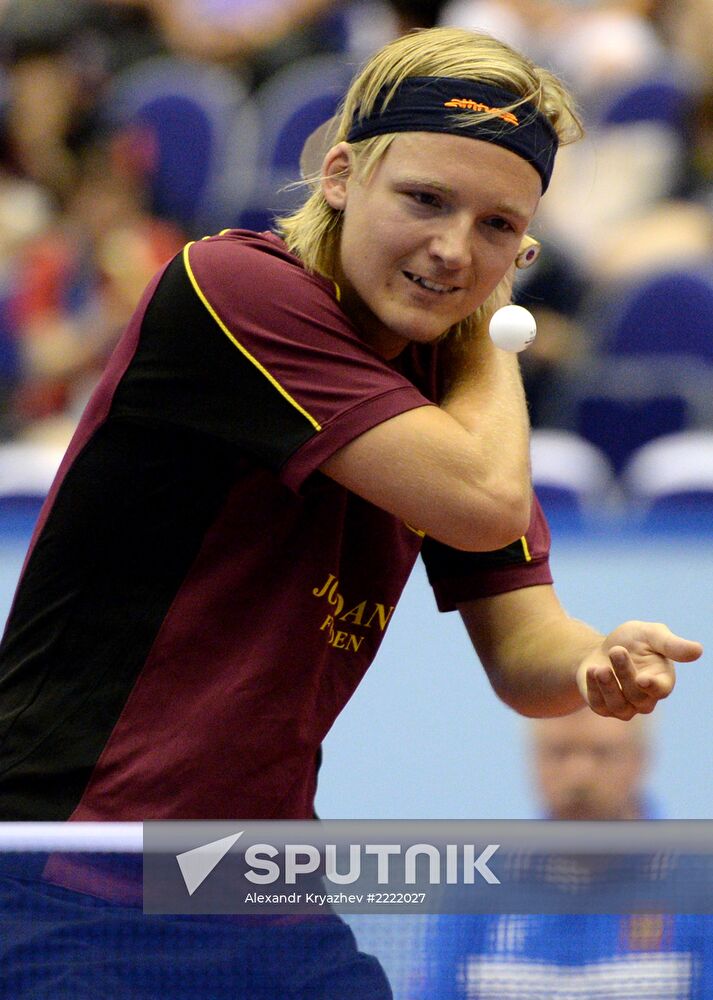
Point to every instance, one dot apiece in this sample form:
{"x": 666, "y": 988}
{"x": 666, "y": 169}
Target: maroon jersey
{"x": 199, "y": 602}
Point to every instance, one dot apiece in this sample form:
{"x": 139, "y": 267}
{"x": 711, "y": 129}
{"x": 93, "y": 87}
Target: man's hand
{"x": 633, "y": 669}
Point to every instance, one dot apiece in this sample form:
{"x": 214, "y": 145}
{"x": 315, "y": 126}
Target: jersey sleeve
{"x": 458, "y": 576}
{"x": 239, "y": 342}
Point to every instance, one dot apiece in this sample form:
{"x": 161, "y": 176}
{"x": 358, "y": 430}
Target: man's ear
{"x": 336, "y": 170}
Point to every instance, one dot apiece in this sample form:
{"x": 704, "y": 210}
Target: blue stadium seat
{"x": 664, "y": 99}
{"x": 573, "y": 478}
{"x": 204, "y": 131}
{"x": 621, "y": 403}
{"x": 670, "y": 480}
{"x": 291, "y": 104}
{"x": 667, "y": 312}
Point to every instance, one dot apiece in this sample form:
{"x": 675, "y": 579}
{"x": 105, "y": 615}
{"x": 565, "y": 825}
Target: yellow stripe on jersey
{"x": 526, "y": 549}
{"x": 271, "y": 379}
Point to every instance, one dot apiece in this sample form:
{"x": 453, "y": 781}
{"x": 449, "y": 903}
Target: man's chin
{"x": 582, "y": 812}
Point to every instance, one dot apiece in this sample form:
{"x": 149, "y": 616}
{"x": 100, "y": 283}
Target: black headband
{"x": 435, "y": 103}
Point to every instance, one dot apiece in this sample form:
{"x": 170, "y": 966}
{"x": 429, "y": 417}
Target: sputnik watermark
{"x": 305, "y": 873}
{"x": 197, "y": 864}
{"x": 454, "y": 864}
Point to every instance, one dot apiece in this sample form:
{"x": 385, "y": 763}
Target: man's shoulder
{"x": 254, "y": 267}
{"x": 259, "y": 251}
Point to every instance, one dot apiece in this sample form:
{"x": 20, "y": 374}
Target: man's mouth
{"x": 432, "y": 286}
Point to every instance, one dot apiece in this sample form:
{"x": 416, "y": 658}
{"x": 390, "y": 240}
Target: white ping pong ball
{"x": 512, "y": 328}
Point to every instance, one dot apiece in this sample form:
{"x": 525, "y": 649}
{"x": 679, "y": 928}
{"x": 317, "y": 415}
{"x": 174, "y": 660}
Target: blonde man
{"x": 281, "y": 425}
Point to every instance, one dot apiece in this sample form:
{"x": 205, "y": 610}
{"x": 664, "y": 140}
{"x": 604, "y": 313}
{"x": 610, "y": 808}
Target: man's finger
{"x": 594, "y": 695}
{"x": 627, "y": 677}
{"x": 675, "y": 647}
{"x": 612, "y": 696}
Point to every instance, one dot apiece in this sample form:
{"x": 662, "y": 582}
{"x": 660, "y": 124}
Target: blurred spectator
{"x": 76, "y": 245}
{"x": 257, "y": 35}
{"x": 553, "y": 291}
{"x": 25, "y": 211}
{"x": 686, "y": 26}
{"x": 112, "y": 33}
{"x": 672, "y": 232}
{"x": 118, "y": 33}
{"x": 39, "y": 25}
{"x": 699, "y": 180}
{"x": 586, "y": 767}
{"x": 593, "y": 769}
{"x": 416, "y": 13}
{"x": 75, "y": 287}
{"x": 59, "y": 58}
{"x": 592, "y": 43}
{"x": 45, "y": 117}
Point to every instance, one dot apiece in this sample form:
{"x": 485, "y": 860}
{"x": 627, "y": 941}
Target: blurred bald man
{"x": 586, "y": 767}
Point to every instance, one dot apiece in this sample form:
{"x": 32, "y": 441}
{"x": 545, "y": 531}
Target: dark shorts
{"x": 61, "y": 945}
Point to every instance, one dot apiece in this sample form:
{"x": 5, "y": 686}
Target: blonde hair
{"x": 313, "y": 231}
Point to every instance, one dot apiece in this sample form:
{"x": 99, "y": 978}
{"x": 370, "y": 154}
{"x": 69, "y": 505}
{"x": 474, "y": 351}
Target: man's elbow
{"x": 491, "y": 525}
{"x": 513, "y": 522}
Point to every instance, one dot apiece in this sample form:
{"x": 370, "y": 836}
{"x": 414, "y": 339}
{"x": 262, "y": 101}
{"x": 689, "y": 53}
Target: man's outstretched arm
{"x": 542, "y": 662}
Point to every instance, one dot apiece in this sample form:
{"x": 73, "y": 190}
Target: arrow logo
{"x": 197, "y": 864}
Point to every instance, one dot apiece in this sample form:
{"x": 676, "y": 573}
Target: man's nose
{"x": 453, "y": 244}
{"x": 579, "y": 767}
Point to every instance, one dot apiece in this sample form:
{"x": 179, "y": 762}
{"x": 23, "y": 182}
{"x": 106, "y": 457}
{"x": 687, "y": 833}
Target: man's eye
{"x": 425, "y": 198}
{"x": 500, "y": 224}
